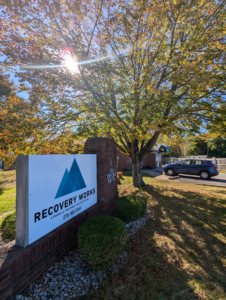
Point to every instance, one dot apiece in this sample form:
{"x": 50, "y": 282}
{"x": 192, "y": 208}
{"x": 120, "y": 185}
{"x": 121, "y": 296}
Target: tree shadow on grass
{"x": 144, "y": 174}
{"x": 153, "y": 270}
{"x": 127, "y": 173}
{"x": 195, "y": 225}
{"x": 179, "y": 254}
{"x": 149, "y": 273}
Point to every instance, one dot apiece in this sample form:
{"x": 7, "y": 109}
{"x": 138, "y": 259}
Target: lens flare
{"x": 69, "y": 62}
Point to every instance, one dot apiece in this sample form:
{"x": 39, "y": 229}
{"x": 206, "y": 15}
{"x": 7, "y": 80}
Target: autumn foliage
{"x": 145, "y": 67}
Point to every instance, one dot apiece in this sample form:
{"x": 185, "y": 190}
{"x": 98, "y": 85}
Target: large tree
{"x": 152, "y": 66}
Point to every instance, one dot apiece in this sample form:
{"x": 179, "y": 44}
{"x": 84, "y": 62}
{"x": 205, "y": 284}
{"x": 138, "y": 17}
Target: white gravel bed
{"x": 71, "y": 276}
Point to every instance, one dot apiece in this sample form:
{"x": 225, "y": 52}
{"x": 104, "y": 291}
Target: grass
{"x": 181, "y": 251}
{"x": 129, "y": 174}
{"x": 7, "y": 194}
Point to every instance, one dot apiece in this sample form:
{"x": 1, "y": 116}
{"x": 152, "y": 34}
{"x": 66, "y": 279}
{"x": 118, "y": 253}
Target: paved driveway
{"x": 219, "y": 180}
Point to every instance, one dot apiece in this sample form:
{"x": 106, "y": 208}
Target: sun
{"x": 70, "y": 63}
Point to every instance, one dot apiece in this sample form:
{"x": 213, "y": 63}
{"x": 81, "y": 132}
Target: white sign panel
{"x": 60, "y": 187}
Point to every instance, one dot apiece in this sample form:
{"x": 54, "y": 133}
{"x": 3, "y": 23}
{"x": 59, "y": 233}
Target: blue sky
{"x": 15, "y": 80}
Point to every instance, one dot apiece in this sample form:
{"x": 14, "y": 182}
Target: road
{"x": 219, "y": 180}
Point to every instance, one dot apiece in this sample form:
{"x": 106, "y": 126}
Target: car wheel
{"x": 170, "y": 172}
{"x": 204, "y": 175}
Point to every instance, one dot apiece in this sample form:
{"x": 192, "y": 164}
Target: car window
{"x": 185, "y": 162}
{"x": 192, "y": 162}
{"x": 198, "y": 162}
{"x": 204, "y": 162}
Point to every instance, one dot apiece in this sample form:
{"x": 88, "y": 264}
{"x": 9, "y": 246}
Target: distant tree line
{"x": 214, "y": 146}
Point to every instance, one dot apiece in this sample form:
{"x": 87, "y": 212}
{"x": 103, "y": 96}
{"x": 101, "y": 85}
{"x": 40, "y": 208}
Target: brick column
{"x": 105, "y": 149}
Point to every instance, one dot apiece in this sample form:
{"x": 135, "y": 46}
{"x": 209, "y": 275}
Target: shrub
{"x": 101, "y": 240}
{"x": 8, "y": 227}
{"x": 130, "y": 208}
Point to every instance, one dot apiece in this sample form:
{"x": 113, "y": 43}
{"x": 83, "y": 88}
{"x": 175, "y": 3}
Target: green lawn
{"x": 181, "y": 252}
{"x": 7, "y": 193}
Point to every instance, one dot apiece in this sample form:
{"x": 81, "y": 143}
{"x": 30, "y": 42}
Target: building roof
{"x": 156, "y": 147}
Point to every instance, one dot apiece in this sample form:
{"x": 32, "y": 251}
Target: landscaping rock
{"x": 71, "y": 277}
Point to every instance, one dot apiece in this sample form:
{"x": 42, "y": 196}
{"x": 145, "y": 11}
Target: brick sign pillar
{"x": 105, "y": 149}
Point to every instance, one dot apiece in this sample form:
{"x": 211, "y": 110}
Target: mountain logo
{"x": 71, "y": 182}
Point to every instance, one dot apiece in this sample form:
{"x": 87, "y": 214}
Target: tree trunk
{"x": 137, "y": 155}
{"x": 137, "y": 175}
{"x": 136, "y": 166}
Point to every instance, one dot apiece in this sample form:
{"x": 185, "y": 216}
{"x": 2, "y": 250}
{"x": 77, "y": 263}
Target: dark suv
{"x": 204, "y": 168}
